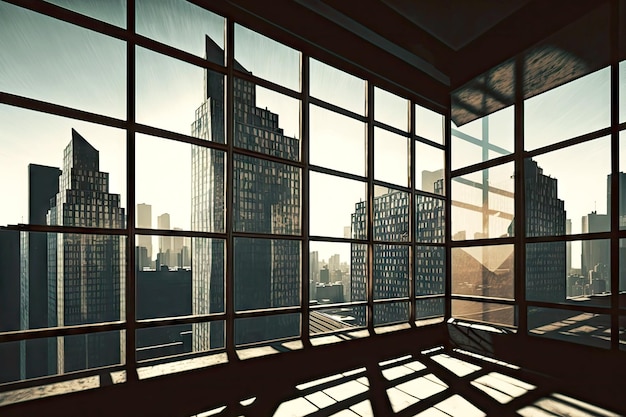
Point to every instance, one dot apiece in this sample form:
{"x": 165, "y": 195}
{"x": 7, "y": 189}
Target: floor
{"x": 431, "y": 383}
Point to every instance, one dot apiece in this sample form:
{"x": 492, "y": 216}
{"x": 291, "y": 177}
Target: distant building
{"x": 329, "y": 293}
{"x": 314, "y": 269}
{"x": 596, "y": 254}
{"x": 325, "y": 275}
{"x": 86, "y": 272}
{"x": 144, "y": 221}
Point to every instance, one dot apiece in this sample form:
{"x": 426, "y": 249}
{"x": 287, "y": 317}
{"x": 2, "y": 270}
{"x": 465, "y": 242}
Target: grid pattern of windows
{"x": 224, "y": 190}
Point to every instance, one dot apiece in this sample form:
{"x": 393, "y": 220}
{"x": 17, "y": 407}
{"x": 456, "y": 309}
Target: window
{"x": 170, "y": 201}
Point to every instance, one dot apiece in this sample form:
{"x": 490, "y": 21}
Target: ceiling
{"x": 421, "y": 48}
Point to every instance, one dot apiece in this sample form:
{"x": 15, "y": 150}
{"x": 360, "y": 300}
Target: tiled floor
{"x": 433, "y": 383}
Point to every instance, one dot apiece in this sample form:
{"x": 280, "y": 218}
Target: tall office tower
{"x": 391, "y": 262}
{"x": 622, "y": 198}
{"x": 144, "y": 221}
{"x": 314, "y": 269}
{"x": 266, "y": 198}
{"x": 568, "y": 248}
{"x": 596, "y": 254}
{"x": 10, "y": 362}
{"x": 165, "y": 242}
{"x": 334, "y": 263}
{"x": 545, "y": 216}
{"x": 43, "y": 184}
{"x": 86, "y": 272}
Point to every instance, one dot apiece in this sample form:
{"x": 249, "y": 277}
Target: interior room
{"x": 312, "y": 208}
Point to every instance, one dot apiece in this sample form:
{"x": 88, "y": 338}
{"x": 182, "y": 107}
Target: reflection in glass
{"x": 483, "y": 271}
{"x": 266, "y": 121}
{"x": 337, "y": 87}
{"x": 333, "y": 137}
{"x": 391, "y": 157}
{"x": 483, "y": 139}
{"x": 84, "y": 70}
{"x": 430, "y": 268}
{"x": 557, "y": 187}
{"x": 339, "y": 206}
{"x": 267, "y": 273}
{"x": 391, "y": 215}
{"x": 39, "y": 149}
{"x": 166, "y": 173}
{"x": 391, "y": 271}
{"x": 170, "y": 341}
{"x": 554, "y": 273}
{"x": 547, "y": 120}
{"x": 266, "y": 58}
{"x": 429, "y": 308}
{"x": 182, "y": 25}
{"x": 486, "y": 312}
{"x": 429, "y": 172}
{"x": 390, "y": 313}
{"x": 266, "y": 196}
{"x": 391, "y": 109}
{"x": 334, "y": 319}
{"x": 570, "y": 326}
{"x": 170, "y": 92}
{"x": 109, "y": 11}
{"x": 260, "y": 329}
{"x": 429, "y": 125}
{"x": 335, "y": 269}
{"x": 430, "y": 219}
{"x": 483, "y": 203}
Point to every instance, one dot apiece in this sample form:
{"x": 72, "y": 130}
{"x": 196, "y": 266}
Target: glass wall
{"x": 169, "y": 200}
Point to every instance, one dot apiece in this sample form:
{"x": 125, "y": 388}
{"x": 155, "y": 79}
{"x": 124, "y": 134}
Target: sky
{"x": 64, "y": 64}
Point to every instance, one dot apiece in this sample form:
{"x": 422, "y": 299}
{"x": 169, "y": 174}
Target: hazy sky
{"x": 75, "y": 67}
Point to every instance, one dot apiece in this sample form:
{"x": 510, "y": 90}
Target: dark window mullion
{"x": 304, "y": 200}
{"x": 369, "y": 105}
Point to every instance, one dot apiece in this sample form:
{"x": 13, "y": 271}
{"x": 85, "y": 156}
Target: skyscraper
{"x": 86, "y": 272}
{"x": 144, "y": 220}
{"x": 545, "y": 216}
{"x": 165, "y": 242}
{"x": 266, "y": 200}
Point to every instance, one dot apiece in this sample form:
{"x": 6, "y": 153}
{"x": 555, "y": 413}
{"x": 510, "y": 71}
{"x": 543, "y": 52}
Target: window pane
{"x": 73, "y": 170}
{"x": 171, "y": 95}
{"x": 570, "y": 326}
{"x": 483, "y": 271}
{"x": 333, "y": 137}
{"x": 430, "y": 270}
{"x": 337, "y": 87}
{"x": 622, "y": 92}
{"x": 61, "y": 279}
{"x": 163, "y": 169}
{"x": 391, "y": 157}
{"x": 266, "y": 58}
{"x": 429, "y": 124}
{"x": 576, "y": 272}
{"x": 335, "y": 319}
{"x": 483, "y": 139}
{"x": 483, "y": 203}
{"x": 429, "y": 169}
{"x": 338, "y": 206}
{"x": 391, "y": 109}
{"x": 109, "y": 11}
{"x": 266, "y": 196}
{"x": 163, "y": 341}
{"x": 582, "y": 193}
{"x": 487, "y": 312}
{"x": 429, "y": 308}
{"x": 622, "y": 181}
{"x": 391, "y": 215}
{"x": 430, "y": 218}
{"x": 83, "y": 69}
{"x": 182, "y": 25}
{"x": 260, "y": 329}
{"x": 389, "y": 313}
{"x": 391, "y": 271}
{"x": 331, "y": 274}
{"x": 622, "y": 271}
{"x": 267, "y": 273}
{"x": 588, "y": 108}
{"x": 266, "y": 121}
